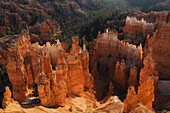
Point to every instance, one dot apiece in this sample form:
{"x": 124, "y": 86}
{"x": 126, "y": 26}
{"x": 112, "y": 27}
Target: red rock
{"x": 146, "y": 92}
{"x": 145, "y": 95}
{"x": 65, "y": 47}
{"x": 146, "y": 48}
{"x": 120, "y": 76}
{"x": 52, "y": 93}
{"x": 141, "y": 26}
{"x": 101, "y": 48}
{"x": 61, "y": 67}
{"x": 159, "y": 43}
{"x": 162, "y": 18}
{"x": 7, "y": 98}
{"x": 132, "y": 80}
{"x": 76, "y": 80}
{"x": 131, "y": 99}
{"x": 148, "y": 70}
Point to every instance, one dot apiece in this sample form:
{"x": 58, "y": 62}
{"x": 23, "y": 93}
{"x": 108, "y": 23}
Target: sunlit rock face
{"x": 52, "y": 93}
{"x": 23, "y": 65}
{"x": 149, "y": 70}
{"x": 139, "y": 108}
{"x": 113, "y": 104}
{"x": 133, "y": 25}
{"x": 7, "y": 97}
{"x": 56, "y": 72}
{"x": 145, "y": 95}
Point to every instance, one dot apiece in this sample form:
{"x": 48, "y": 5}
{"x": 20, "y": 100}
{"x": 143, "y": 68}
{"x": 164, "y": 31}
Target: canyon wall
{"x": 114, "y": 59}
{"x": 133, "y": 25}
{"x": 160, "y": 42}
{"x": 118, "y": 48}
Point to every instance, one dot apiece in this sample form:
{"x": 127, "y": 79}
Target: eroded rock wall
{"x": 56, "y": 72}
{"x": 160, "y": 42}
{"x": 133, "y": 26}
{"x": 145, "y": 95}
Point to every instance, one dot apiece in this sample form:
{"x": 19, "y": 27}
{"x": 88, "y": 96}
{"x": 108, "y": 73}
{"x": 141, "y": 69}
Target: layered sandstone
{"x": 78, "y": 68}
{"x": 145, "y": 95}
{"x": 149, "y": 69}
{"x": 120, "y": 76}
{"x": 132, "y": 80}
{"x": 101, "y": 48}
{"x": 141, "y": 109}
{"x": 56, "y": 72}
{"x": 113, "y": 104}
{"x": 163, "y": 17}
{"x": 105, "y": 52}
{"x": 16, "y": 69}
{"x": 133, "y": 25}
{"x": 7, "y": 98}
{"x": 160, "y": 42}
{"x": 50, "y": 92}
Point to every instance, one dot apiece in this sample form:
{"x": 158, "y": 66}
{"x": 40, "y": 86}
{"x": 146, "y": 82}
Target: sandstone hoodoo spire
{"x": 120, "y": 76}
{"x": 56, "y": 72}
{"x": 7, "y": 98}
{"x": 132, "y": 80}
{"x": 144, "y": 96}
{"x": 51, "y": 93}
{"x": 149, "y": 70}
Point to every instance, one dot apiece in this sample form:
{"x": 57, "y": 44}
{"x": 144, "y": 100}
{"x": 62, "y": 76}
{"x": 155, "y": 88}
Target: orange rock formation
{"x": 7, "y": 98}
{"x": 113, "y": 104}
{"x": 133, "y": 26}
{"x": 106, "y": 58}
{"x": 132, "y": 80}
{"x": 145, "y": 95}
{"x": 120, "y": 76}
{"x": 50, "y": 92}
{"x": 54, "y": 71}
{"x": 148, "y": 70}
{"x": 101, "y": 48}
{"x": 159, "y": 43}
